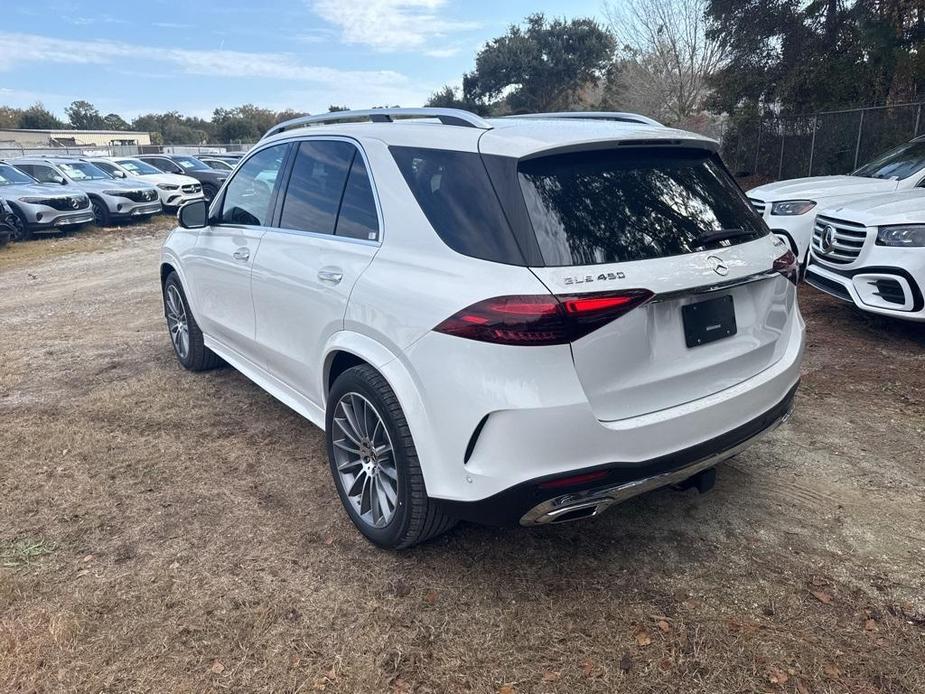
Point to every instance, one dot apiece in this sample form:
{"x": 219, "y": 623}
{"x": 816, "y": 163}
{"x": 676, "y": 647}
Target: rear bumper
{"x": 497, "y": 420}
{"x": 529, "y": 503}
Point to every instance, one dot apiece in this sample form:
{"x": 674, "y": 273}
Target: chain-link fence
{"x": 830, "y": 142}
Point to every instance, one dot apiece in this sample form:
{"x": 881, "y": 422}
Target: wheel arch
{"x": 346, "y": 349}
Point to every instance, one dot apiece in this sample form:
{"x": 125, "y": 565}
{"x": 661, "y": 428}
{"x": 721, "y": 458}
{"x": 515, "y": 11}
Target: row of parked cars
{"x": 54, "y": 193}
{"x": 859, "y": 237}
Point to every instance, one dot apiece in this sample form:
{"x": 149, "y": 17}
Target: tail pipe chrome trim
{"x": 592, "y": 502}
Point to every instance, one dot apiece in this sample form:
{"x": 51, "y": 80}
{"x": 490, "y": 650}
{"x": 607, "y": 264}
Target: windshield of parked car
{"x": 190, "y": 163}
{"x": 898, "y": 163}
{"x": 83, "y": 171}
{"x": 613, "y": 206}
{"x": 10, "y": 176}
{"x": 138, "y": 167}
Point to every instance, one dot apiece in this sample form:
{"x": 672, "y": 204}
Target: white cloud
{"x": 18, "y": 49}
{"x": 312, "y": 88}
{"x": 390, "y": 25}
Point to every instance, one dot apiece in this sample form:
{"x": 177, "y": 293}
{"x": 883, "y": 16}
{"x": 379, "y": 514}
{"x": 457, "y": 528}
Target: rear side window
{"x": 358, "y": 218}
{"x": 613, "y": 206}
{"x": 454, "y": 192}
{"x": 316, "y": 186}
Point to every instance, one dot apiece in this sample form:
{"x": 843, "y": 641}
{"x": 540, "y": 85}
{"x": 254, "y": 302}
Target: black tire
{"x": 101, "y": 215}
{"x": 209, "y": 192}
{"x": 20, "y": 231}
{"x": 198, "y": 357}
{"x": 416, "y": 518}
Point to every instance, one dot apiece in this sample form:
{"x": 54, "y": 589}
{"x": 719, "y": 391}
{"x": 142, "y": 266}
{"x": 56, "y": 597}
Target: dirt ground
{"x": 162, "y": 531}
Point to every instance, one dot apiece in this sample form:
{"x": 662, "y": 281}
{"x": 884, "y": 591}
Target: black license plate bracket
{"x": 709, "y": 321}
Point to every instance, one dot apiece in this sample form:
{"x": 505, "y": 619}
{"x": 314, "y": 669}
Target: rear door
{"x": 671, "y": 221}
{"x": 326, "y": 233}
{"x": 219, "y": 266}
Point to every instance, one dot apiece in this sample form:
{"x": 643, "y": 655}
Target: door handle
{"x": 242, "y": 254}
{"x": 331, "y": 276}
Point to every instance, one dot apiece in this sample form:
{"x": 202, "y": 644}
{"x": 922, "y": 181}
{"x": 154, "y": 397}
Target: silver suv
{"x": 111, "y": 199}
{"x": 40, "y": 207}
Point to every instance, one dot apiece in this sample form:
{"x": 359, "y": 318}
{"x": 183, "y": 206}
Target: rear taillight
{"x": 541, "y": 320}
{"x": 788, "y": 266}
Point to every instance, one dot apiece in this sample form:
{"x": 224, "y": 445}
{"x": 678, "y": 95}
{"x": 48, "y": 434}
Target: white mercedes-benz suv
{"x": 871, "y": 252}
{"x": 790, "y": 207}
{"x": 521, "y": 319}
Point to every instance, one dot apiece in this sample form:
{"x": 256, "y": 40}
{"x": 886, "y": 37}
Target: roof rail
{"x": 447, "y": 116}
{"x": 595, "y": 115}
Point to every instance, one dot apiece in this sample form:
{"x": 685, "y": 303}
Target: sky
{"x": 134, "y": 57}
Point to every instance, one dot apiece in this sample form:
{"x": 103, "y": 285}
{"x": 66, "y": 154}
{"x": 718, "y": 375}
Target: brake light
{"x": 538, "y": 320}
{"x": 788, "y": 266}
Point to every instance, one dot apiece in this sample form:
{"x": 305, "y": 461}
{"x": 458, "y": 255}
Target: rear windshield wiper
{"x": 722, "y": 235}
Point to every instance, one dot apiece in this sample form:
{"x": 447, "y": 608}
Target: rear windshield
{"x": 613, "y": 206}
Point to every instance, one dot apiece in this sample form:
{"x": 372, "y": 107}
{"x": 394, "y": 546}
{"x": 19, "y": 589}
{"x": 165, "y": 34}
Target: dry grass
{"x": 191, "y": 539}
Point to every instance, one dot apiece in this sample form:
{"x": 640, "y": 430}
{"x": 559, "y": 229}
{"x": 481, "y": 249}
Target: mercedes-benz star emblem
{"x": 75, "y": 203}
{"x": 827, "y": 242}
{"x": 719, "y": 266}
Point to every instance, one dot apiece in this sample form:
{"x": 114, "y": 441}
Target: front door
{"x": 219, "y": 269}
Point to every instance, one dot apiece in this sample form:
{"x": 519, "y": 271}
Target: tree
{"x": 335, "y": 109}
{"x": 10, "y": 117}
{"x": 172, "y": 128}
{"x": 540, "y": 67}
{"x": 245, "y": 123}
{"x": 289, "y": 114}
{"x": 450, "y": 97}
{"x": 668, "y": 57}
{"x": 84, "y": 116}
{"x": 113, "y": 121}
{"x": 37, "y": 117}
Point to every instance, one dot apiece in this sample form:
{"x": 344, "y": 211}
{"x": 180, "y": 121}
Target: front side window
{"x": 43, "y": 174}
{"x": 316, "y": 186}
{"x": 10, "y": 176}
{"x": 900, "y": 162}
{"x": 107, "y": 167}
{"x": 165, "y": 165}
{"x": 613, "y": 206}
{"x": 250, "y": 192}
{"x": 83, "y": 171}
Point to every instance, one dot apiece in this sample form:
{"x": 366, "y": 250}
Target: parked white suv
{"x": 516, "y": 319}
{"x": 790, "y": 207}
{"x": 174, "y": 190}
{"x": 872, "y": 253}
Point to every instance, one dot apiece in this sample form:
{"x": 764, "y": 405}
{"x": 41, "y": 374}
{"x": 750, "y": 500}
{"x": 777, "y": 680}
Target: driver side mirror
{"x": 120, "y": 174}
{"x": 194, "y": 215}
{"x": 60, "y": 180}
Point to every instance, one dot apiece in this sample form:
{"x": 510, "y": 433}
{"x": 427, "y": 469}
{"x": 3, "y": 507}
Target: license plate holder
{"x": 709, "y": 321}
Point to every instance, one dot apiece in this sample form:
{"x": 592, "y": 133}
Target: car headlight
{"x": 34, "y": 201}
{"x": 115, "y": 193}
{"x": 902, "y": 235}
{"x": 791, "y": 208}
{"x": 168, "y": 186}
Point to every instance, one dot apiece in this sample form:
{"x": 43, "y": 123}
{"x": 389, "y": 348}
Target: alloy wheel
{"x": 365, "y": 460}
{"x": 177, "y": 322}
{"x": 99, "y": 214}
